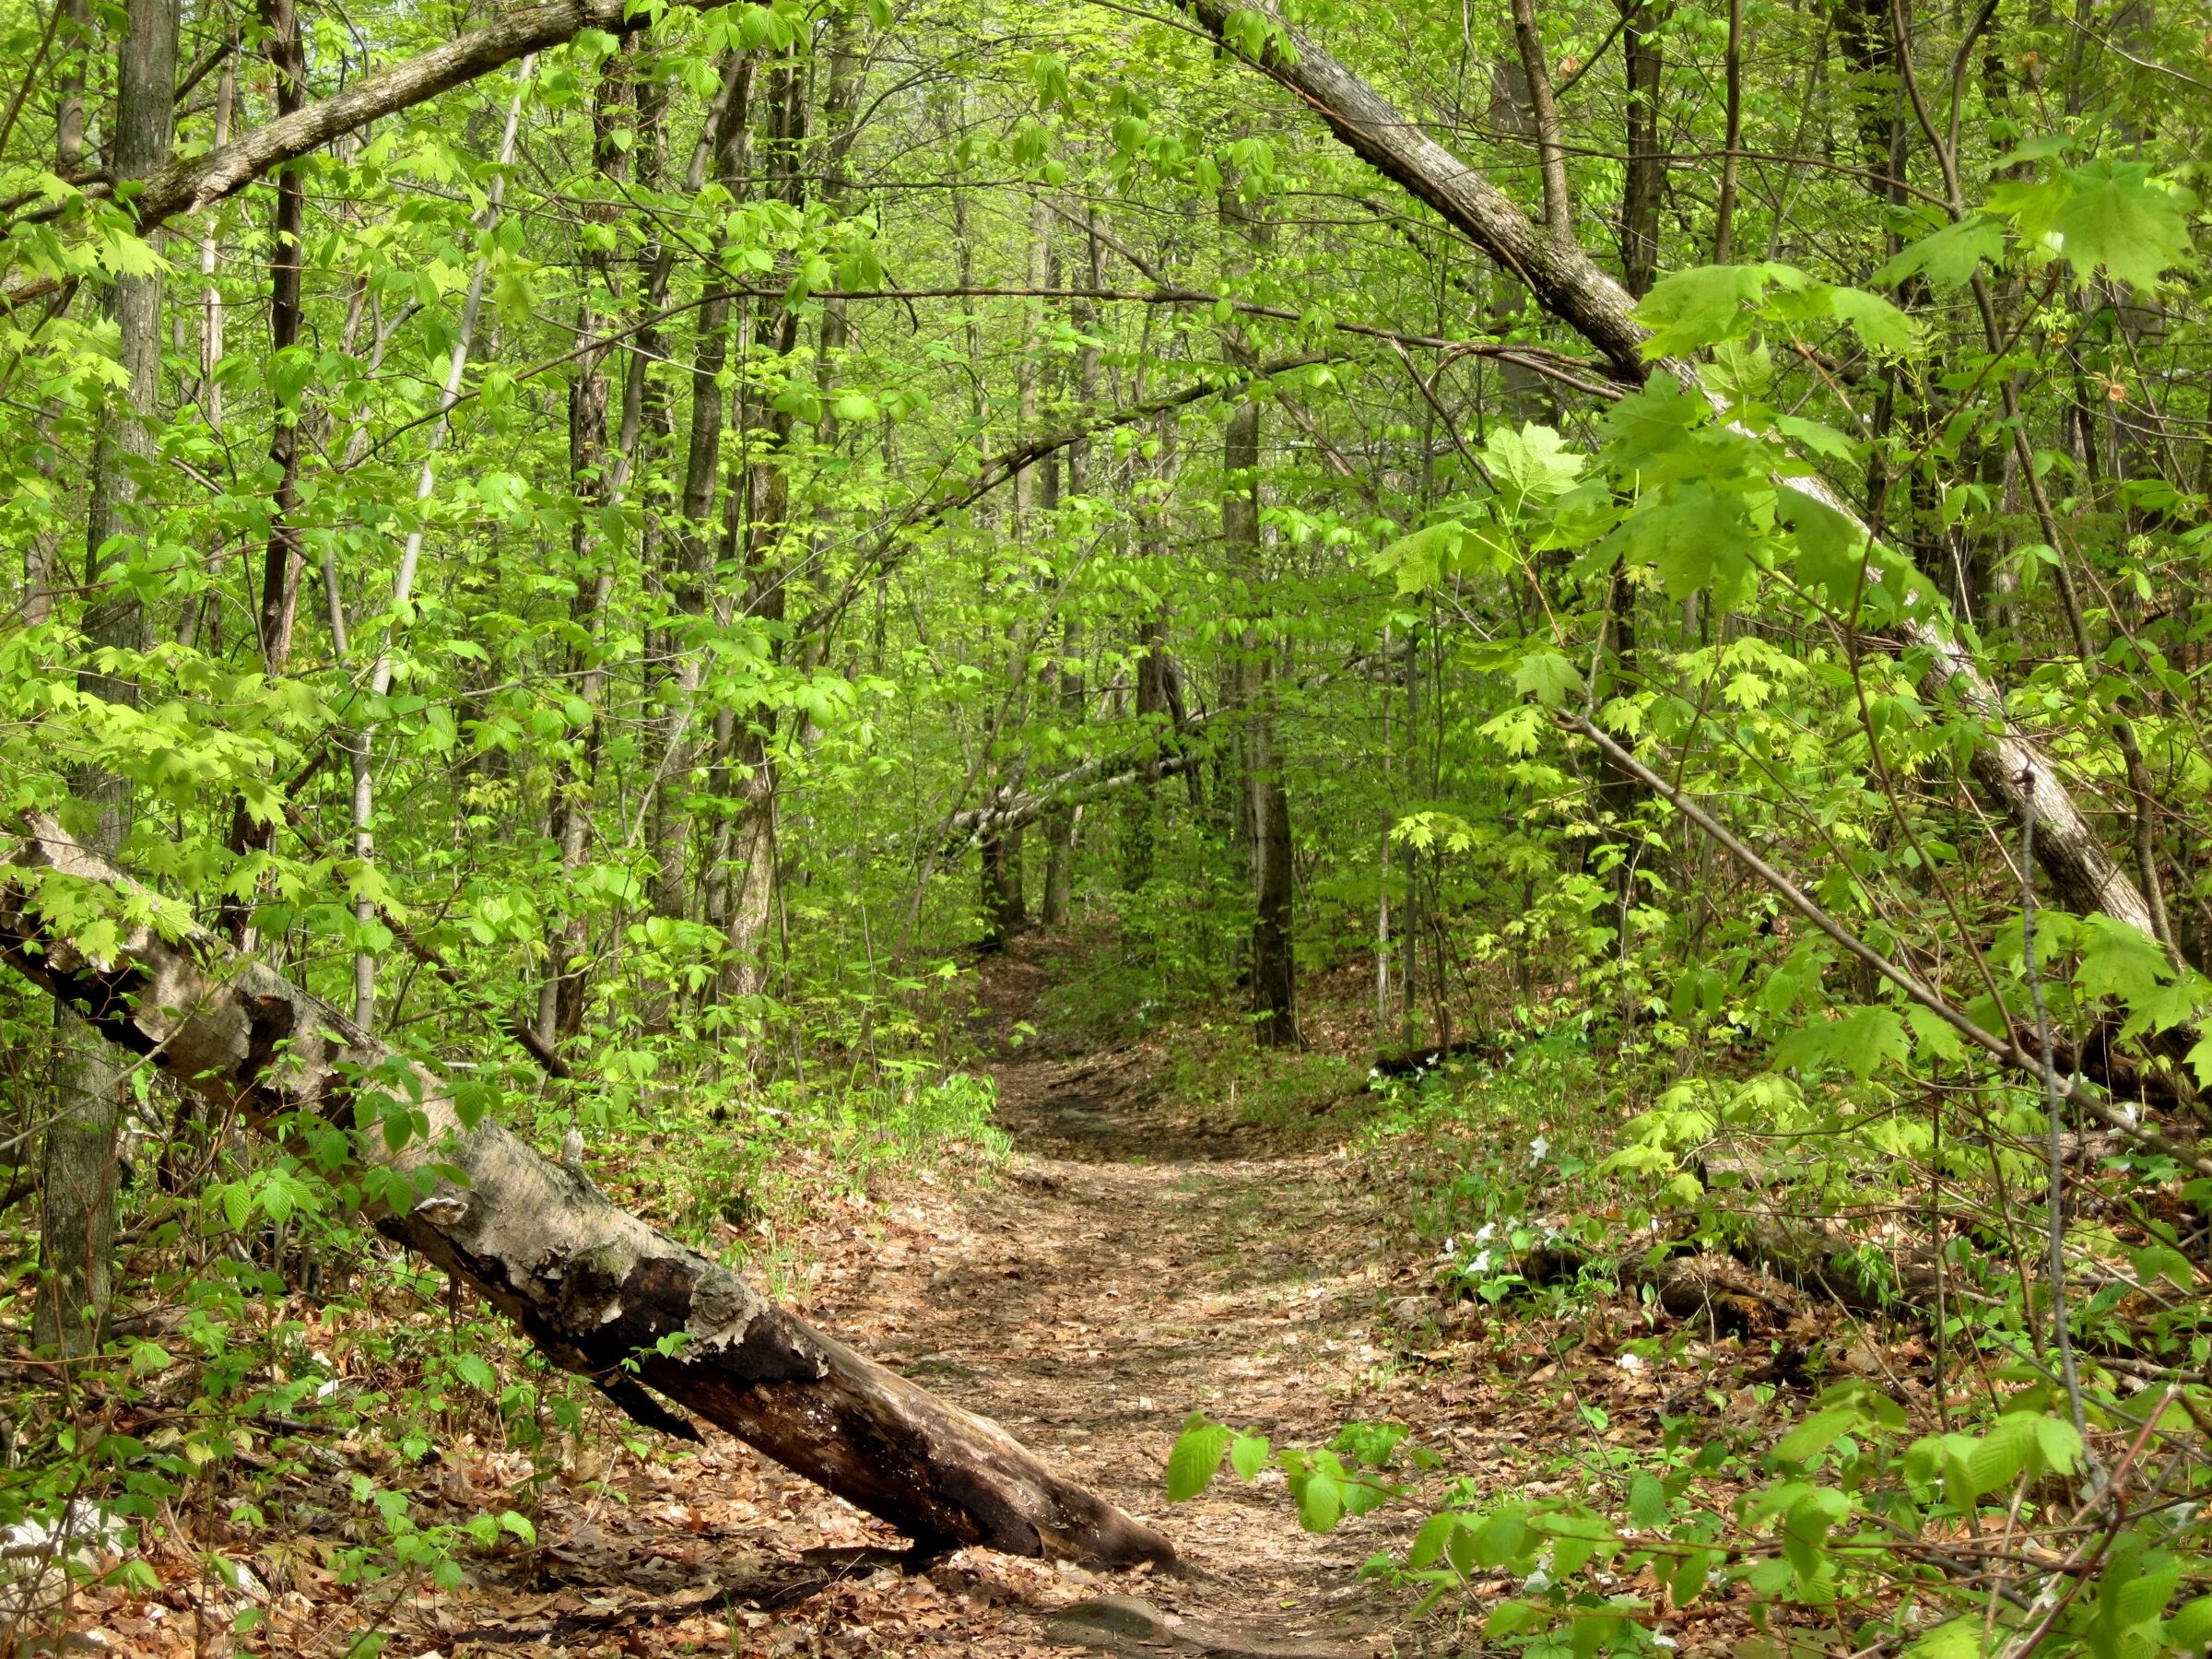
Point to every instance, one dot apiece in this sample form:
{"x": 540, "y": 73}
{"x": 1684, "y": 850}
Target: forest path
{"x": 1132, "y": 1264}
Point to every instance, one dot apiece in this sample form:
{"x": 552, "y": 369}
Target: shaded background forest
{"x": 631, "y": 574}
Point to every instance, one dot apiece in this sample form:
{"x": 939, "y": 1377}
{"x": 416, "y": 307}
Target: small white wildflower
{"x": 1486, "y": 1232}
{"x": 1663, "y": 1641}
{"x": 1537, "y": 1581}
{"x": 1632, "y": 1363}
{"x": 1481, "y": 1262}
{"x": 1537, "y": 1148}
{"x": 1373, "y": 1072}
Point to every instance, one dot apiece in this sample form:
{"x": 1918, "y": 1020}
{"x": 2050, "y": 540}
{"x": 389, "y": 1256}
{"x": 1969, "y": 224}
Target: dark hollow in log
{"x": 598, "y": 1289}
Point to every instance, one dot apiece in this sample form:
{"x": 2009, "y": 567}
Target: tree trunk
{"x": 759, "y": 519}
{"x": 77, "y": 1177}
{"x": 73, "y": 45}
{"x": 595, "y": 1288}
{"x": 1274, "y": 969}
{"x": 1646, "y": 170}
{"x": 593, "y": 484}
{"x": 281, "y": 563}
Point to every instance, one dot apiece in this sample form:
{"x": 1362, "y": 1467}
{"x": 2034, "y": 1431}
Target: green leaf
{"x": 1429, "y": 1543}
{"x": 1646, "y": 425}
{"x": 1814, "y": 1436}
{"x": 1934, "y": 1038}
{"x": 1694, "y": 309}
{"x": 2060, "y": 1444}
{"x": 1689, "y": 1581}
{"x": 1248, "y": 1455}
{"x": 475, "y": 1370}
{"x": 1961, "y": 1638}
{"x": 2000, "y": 1456}
{"x": 1531, "y": 464}
{"x": 1509, "y": 1617}
{"x": 1548, "y": 676}
{"x": 1881, "y": 327}
{"x": 1320, "y": 1502}
{"x": 1591, "y": 1631}
{"x": 1647, "y": 1502}
{"x": 1696, "y": 536}
{"x": 1949, "y": 257}
{"x": 520, "y": 1526}
{"x": 1830, "y": 546}
{"x": 1420, "y": 560}
{"x": 1501, "y": 1537}
{"x": 2191, "y": 1626}
{"x": 1195, "y": 1458}
{"x": 2118, "y": 219}
{"x": 1813, "y": 435}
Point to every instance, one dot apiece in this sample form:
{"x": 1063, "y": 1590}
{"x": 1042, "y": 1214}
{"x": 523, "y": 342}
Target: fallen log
{"x": 593, "y": 1287}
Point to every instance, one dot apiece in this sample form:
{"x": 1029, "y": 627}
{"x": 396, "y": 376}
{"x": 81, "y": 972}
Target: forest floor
{"x": 1145, "y": 1252}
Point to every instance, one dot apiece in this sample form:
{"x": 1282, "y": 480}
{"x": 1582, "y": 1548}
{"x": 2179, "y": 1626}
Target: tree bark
{"x": 1274, "y": 968}
{"x": 281, "y": 564}
{"x": 73, "y": 44}
{"x": 595, "y": 1289}
{"x": 1646, "y": 170}
{"x": 758, "y": 523}
{"x": 77, "y": 1176}
{"x": 596, "y": 478}
{"x": 1569, "y": 285}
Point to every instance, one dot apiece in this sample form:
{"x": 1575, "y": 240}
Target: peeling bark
{"x": 596, "y": 1289}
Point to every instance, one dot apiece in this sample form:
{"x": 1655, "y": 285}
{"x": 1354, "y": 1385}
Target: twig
{"x": 2055, "y": 1120}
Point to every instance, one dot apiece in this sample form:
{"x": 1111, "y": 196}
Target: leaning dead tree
{"x": 2014, "y": 775}
{"x": 597, "y": 1289}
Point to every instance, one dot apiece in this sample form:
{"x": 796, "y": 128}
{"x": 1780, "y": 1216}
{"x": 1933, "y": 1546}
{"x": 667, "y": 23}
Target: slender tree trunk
{"x": 213, "y": 320}
{"x": 281, "y": 564}
{"x": 759, "y": 524}
{"x": 73, "y": 43}
{"x": 1732, "y": 142}
{"x": 410, "y": 559}
{"x": 731, "y": 152}
{"x": 1274, "y": 968}
{"x": 1645, "y": 179}
{"x": 77, "y": 1175}
{"x": 1060, "y": 824}
{"x": 593, "y": 486}
{"x": 683, "y": 544}
{"x": 278, "y": 615}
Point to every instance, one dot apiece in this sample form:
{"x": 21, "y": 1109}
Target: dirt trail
{"x": 1130, "y": 1266}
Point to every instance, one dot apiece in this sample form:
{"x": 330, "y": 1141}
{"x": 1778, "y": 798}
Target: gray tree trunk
{"x": 77, "y": 1228}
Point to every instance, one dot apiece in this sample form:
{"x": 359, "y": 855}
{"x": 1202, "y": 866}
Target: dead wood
{"x": 593, "y": 1287}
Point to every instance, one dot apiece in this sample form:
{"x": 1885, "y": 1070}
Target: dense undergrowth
{"x": 1864, "y": 1445}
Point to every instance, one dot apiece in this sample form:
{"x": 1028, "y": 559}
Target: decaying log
{"x": 596, "y": 1289}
